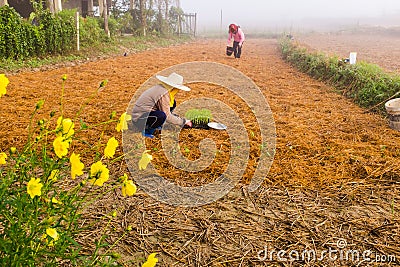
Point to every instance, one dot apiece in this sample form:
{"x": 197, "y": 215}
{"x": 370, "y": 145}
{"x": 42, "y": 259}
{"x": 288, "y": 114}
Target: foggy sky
{"x": 295, "y": 13}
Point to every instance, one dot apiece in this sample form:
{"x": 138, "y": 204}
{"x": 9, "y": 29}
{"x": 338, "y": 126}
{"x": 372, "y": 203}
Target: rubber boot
{"x": 148, "y": 132}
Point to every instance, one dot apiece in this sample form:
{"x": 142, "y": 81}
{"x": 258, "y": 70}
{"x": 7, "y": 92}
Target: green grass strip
{"x": 367, "y": 84}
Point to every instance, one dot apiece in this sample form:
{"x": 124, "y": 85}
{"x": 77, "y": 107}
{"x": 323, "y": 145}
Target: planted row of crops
{"x": 199, "y": 117}
{"x": 368, "y": 84}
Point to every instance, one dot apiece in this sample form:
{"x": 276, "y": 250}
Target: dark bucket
{"x": 229, "y": 50}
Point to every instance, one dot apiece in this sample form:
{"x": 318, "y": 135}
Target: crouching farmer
{"x": 154, "y": 107}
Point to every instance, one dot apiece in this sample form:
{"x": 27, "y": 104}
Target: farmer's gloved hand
{"x": 188, "y": 123}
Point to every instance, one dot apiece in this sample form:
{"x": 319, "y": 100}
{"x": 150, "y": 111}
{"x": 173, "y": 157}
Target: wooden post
{"x": 220, "y": 29}
{"x": 50, "y": 4}
{"x": 90, "y": 8}
{"x": 105, "y": 13}
{"x": 179, "y": 25}
{"x": 101, "y": 7}
{"x": 190, "y": 23}
{"x": 143, "y": 15}
{"x": 195, "y": 24}
{"x": 77, "y": 31}
{"x": 57, "y": 6}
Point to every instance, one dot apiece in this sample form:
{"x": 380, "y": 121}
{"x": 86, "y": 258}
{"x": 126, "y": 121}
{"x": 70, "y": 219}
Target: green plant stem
{"x": 30, "y": 133}
{"x": 99, "y": 242}
{"x": 62, "y": 98}
{"x": 97, "y": 197}
{"x": 95, "y": 125}
{"x": 115, "y": 243}
{"x": 86, "y": 103}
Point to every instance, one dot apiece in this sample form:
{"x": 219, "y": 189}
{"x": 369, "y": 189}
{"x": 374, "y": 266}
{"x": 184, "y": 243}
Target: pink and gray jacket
{"x": 237, "y": 37}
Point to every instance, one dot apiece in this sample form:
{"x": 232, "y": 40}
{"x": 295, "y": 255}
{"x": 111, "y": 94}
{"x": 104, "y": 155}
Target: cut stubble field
{"x": 335, "y": 175}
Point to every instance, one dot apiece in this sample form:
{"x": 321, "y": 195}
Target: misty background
{"x": 292, "y": 15}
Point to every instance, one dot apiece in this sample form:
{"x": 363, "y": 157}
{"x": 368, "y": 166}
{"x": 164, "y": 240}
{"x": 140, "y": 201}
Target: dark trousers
{"x": 156, "y": 119}
{"x": 237, "y": 49}
{"x": 153, "y": 120}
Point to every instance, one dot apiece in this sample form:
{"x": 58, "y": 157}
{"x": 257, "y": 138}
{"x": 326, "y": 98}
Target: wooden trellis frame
{"x": 187, "y": 24}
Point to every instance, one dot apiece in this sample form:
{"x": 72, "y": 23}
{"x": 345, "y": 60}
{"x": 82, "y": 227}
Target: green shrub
{"x": 12, "y": 41}
{"x": 90, "y": 31}
{"x": 43, "y": 34}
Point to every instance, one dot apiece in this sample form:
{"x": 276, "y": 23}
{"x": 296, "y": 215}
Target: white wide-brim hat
{"x": 175, "y": 80}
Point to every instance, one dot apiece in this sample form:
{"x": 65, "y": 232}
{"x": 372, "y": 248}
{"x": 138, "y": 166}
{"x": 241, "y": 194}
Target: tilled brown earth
{"x": 331, "y": 193}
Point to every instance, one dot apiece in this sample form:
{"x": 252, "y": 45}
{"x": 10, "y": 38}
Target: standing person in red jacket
{"x": 236, "y": 33}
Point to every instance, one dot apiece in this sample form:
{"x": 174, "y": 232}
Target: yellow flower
{"x": 151, "y": 261}
{"x": 99, "y": 173}
{"x": 145, "y": 160}
{"x": 34, "y": 187}
{"x": 103, "y": 83}
{"x": 55, "y": 201}
{"x": 13, "y": 149}
{"x": 3, "y": 84}
{"x": 128, "y": 187}
{"x": 65, "y": 128}
{"x": 52, "y": 233}
{"x": 76, "y": 165}
{"x": 3, "y": 157}
{"x": 112, "y": 145}
{"x": 122, "y": 123}
{"x": 53, "y": 175}
{"x": 60, "y": 147}
{"x": 40, "y": 104}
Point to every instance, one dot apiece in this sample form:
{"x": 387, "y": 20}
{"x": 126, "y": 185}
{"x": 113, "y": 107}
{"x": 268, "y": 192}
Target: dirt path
{"x": 335, "y": 175}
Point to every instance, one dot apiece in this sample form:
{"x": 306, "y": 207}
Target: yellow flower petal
{"x": 112, "y": 145}
{"x": 55, "y": 201}
{"x": 60, "y": 147}
{"x": 34, "y": 187}
{"x": 3, "y": 91}
{"x": 52, "y": 233}
{"x": 122, "y": 123}
{"x": 128, "y": 187}
{"x": 3, "y": 158}
{"x": 99, "y": 173}
{"x": 151, "y": 261}
{"x": 76, "y": 165}
{"x": 145, "y": 160}
{"x": 3, "y": 84}
{"x": 53, "y": 175}
{"x": 65, "y": 128}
